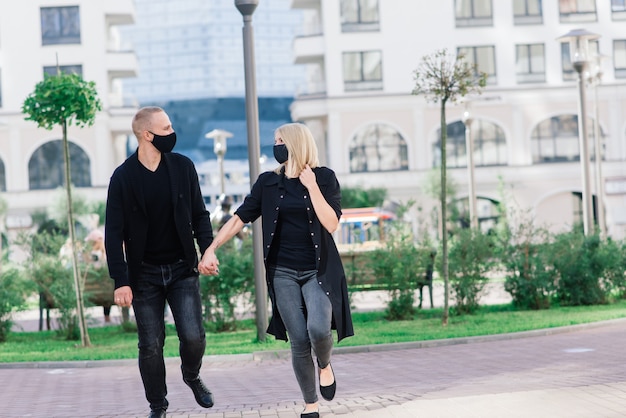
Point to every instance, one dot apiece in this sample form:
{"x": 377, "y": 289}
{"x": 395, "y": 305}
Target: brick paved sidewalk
{"x": 570, "y": 372}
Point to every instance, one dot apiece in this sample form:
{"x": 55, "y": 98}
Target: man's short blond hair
{"x": 142, "y": 121}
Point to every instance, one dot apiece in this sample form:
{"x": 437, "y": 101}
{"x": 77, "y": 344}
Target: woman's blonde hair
{"x": 300, "y": 146}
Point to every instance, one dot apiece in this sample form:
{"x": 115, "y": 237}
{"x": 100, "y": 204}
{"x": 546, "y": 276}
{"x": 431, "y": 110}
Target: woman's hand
{"x": 307, "y": 177}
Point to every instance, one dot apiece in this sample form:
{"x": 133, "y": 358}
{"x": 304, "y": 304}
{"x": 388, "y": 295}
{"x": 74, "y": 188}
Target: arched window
{"x": 487, "y": 213}
{"x": 378, "y": 147}
{"x": 556, "y": 139}
{"x": 489, "y": 145}
{"x": 46, "y": 168}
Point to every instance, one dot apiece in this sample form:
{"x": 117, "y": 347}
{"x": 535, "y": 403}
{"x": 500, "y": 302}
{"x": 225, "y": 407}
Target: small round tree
{"x": 442, "y": 77}
{"x": 65, "y": 100}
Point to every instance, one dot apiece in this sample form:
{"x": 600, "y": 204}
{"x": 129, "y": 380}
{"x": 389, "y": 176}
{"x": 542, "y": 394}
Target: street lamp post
{"x": 247, "y": 8}
{"x": 219, "y": 138}
{"x": 596, "y": 79}
{"x": 579, "y": 54}
{"x": 469, "y": 146}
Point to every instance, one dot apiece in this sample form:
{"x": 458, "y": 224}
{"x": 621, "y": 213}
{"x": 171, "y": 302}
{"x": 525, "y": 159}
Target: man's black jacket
{"x": 126, "y": 223}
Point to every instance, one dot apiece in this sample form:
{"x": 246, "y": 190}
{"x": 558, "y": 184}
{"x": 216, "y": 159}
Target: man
{"x": 154, "y": 211}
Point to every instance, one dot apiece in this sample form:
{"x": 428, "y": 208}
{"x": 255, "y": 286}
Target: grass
{"x": 113, "y": 342}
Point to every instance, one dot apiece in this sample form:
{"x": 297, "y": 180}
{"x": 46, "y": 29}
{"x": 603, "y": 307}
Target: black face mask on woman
{"x": 164, "y": 143}
{"x": 280, "y": 153}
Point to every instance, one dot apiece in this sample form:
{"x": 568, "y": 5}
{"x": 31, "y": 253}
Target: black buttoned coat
{"x": 265, "y": 200}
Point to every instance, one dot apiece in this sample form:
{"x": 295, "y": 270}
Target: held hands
{"x": 307, "y": 177}
{"x": 209, "y": 264}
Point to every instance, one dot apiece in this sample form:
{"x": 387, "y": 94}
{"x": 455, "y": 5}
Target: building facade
{"x": 79, "y": 36}
{"x": 361, "y": 56}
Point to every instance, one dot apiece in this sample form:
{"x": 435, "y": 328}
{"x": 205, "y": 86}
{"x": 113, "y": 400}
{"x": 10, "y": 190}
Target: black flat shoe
{"x": 310, "y": 415}
{"x": 328, "y": 392}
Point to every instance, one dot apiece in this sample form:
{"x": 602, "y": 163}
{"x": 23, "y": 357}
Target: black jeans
{"x": 179, "y": 286}
{"x": 306, "y": 312}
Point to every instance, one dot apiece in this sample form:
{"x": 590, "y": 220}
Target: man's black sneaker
{"x": 202, "y": 394}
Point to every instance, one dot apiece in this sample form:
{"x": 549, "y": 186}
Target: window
{"x": 483, "y": 58}
{"x": 569, "y": 72}
{"x": 527, "y": 12}
{"x": 362, "y": 70}
{"x": 619, "y": 58}
{"x": 60, "y": 25}
{"x": 489, "y": 145}
{"x": 618, "y": 9}
{"x": 556, "y": 140}
{"x": 65, "y": 69}
{"x": 378, "y": 147}
{"x": 359, "y": 15}
{"x": 46, "y": 167}
{"x": 487, "y": 211}
{"x": 572, "y": 11}
{"x": 530, "y": 63}
{"x": 473, "y": 13}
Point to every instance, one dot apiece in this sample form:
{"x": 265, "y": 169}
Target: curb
{"x": 284, "y": 354}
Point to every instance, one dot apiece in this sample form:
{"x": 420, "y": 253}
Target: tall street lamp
{"x": 579, "y": 54}
{"x": 247, "y": 8}
{"x": 595, "y": 79}
{"x": 469, "y": 146}
{"x": 219, "y": 138}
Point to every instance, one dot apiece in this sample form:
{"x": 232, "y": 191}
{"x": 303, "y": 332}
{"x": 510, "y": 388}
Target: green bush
{"x": 13, "y": 291}
{"x": 469, "y": 260}
{"x": 522, "y": 251}
{"x": 612, "y": 257}
{"x": 530, "y": 279}
{"x": 361, "y": 198}
{"x": 589, "y": 269}
{"x": 56, "y": 283}
{"x": 399, "y": 267}
{"x": 235, "y": 280}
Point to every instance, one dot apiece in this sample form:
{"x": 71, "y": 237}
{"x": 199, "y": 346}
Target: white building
{"x": 79, "y": 36}
{"x": 360, "y": 57}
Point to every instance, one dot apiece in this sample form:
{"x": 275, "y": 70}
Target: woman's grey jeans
{"x": 306, "y": 312}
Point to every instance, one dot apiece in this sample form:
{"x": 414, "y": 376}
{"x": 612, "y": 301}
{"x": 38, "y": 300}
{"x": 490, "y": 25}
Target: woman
{"x": 299, "y": 204}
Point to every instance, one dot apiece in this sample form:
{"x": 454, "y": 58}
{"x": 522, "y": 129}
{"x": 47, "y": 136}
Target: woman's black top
{"x": 292, "y": 246}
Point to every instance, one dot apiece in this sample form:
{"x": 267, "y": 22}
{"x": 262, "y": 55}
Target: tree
{"x": 442, "y": 77}
{"x": 358, "y": 197}
{"x": 64, "y": 100}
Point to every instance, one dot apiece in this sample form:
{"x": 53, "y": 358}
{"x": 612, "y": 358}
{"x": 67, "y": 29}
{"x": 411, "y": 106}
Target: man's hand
{"x": 123, "y": 296}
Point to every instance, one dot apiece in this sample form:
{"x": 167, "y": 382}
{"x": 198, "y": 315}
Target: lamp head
{"x": 246, "y": 7}
{"x": 219, "y": 137}
{"x": 579, "y": 44}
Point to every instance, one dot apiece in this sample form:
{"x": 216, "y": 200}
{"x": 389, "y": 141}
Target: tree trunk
{"x": 80, "y": 307}
{"x": 444, "y": 217}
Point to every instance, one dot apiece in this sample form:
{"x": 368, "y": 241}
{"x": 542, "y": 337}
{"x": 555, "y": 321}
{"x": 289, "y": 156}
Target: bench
{"x": 360, "y": 274}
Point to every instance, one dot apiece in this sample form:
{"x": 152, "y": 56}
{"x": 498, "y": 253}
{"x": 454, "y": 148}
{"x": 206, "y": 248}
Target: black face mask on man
{"x": 280, "y": 153}
{"x": 164, "y": 143}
